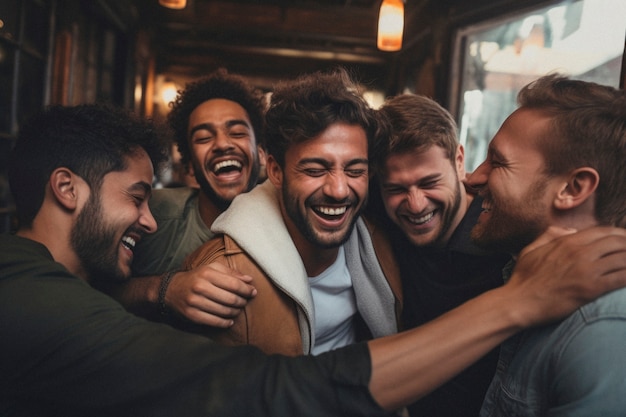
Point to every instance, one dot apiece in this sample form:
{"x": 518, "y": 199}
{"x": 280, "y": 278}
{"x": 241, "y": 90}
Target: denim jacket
{"x": 575, "y": 368}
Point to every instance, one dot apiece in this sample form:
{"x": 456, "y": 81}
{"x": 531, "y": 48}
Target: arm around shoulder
{"x": 552, "y": 278}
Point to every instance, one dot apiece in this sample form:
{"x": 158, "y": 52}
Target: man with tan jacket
{"x": 313, "y": 260}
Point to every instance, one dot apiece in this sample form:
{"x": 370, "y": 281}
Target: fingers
{"x": 218, "y": 267}
{"x": 558, "y": 274}
{"x": 606, "y": 240}
{"x": 210, "y": 294}
{"x": 226, "y": 291}
{"x": 567, "y": 245}
{"x": 613, "y": 270}
{"x": 607, "y": 256}
{"x": 224, "y": 278}
{"x": 208, "y": 313}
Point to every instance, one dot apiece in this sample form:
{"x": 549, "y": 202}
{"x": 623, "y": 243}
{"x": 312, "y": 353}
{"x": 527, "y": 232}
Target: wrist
{"x": 166, "y": 278}
{"x": 517, "y": 307}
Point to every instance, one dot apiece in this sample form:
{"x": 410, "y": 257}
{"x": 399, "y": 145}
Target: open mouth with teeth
{"x": 129, "y": 242}
{"x": 330, "y": 213}
{"x": 420, "y": 220}
{"x": 227, "y": 167}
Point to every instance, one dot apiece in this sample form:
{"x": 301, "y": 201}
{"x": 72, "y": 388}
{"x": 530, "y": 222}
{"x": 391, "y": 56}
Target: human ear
{"x": 580, "y": 186}
{"x": 64, "y": 187}
{"x": 262, "y": 155}
{"x": 459, "y": 160}
{"x": 262, "y": 164}
{"x": 274, "y": 171}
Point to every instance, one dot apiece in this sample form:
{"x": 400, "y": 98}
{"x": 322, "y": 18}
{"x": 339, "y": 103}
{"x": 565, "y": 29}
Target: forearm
{"x": 409, "y": 365}
{"x": 139, "y": 295}
{"x": 549, "y": 282}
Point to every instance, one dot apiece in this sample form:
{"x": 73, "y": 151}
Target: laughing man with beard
{"x": 314, "y": 261}
{"x": 420, "y": 173}
{"x": 558, "y": 161}
{"x": 217, "y": 122}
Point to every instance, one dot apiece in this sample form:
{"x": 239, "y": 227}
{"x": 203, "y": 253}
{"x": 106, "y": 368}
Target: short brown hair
{"x": 588, "y": 129}
{"x": 416, "y": 122}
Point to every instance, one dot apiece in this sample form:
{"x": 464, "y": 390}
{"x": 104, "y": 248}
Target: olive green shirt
{"x": 180, "y": 231}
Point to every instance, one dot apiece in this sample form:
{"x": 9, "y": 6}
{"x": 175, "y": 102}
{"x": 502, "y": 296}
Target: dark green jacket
{"x": 69, "y": 350}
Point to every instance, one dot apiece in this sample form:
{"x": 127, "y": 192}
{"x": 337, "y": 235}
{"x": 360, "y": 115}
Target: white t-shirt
{"x": 334, "y": 305}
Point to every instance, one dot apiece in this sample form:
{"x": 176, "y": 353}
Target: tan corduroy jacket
{"x": 280, "y": 318}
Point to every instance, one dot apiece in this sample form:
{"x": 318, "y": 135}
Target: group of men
{"x": 303, "y": 263}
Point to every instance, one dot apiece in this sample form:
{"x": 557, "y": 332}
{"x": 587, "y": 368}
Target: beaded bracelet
{"x": 165, "y": 282}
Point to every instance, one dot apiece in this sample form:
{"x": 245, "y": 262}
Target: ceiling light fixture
{"x": 173, "y": 4}
{"x": 391, "y": 25}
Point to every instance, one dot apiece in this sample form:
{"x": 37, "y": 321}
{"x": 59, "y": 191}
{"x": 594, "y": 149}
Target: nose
{"x": 478, "y": 179}
{"x": 416, "y": 200}
{"x": 146, "y": 220}
{"x": 336, "y": 186}
{"x": 223, "y": 141}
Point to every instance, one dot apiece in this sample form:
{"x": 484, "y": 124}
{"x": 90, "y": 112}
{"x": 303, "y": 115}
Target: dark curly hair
{"x": 219, "y": 84}
{"x": 303, "y": 108}
{"x": 90, "y": 139}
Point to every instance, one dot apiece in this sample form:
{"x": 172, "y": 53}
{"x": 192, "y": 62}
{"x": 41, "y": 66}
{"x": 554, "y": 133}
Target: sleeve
{"x": 180, "y": 231}
{"x": 590, "y": 371}
{"x": 153, "y": 255}
{"x": 156, "y": 252}
{"x": 70, "y": 350}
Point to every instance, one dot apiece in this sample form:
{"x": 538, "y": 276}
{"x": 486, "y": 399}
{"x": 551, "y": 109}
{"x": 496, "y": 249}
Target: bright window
{"x": 583, "y": 39}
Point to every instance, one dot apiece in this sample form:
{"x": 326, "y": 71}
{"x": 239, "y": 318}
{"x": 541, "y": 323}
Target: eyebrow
{"x": 494, "y": 152}
{"x": 325, "y": 162}
{"x": 433, "y": 177}
{"x": 211, "y": 126}
{"x": 142, "y": 186}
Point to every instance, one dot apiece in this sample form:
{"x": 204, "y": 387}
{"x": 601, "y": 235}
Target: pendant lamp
{"x": 390, "y": 25}
{"x": 173, "y": 4}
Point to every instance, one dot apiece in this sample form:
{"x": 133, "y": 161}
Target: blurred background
{"x": 471, "y": 56}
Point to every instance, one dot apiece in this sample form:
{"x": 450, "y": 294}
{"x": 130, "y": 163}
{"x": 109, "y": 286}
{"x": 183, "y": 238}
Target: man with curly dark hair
{"x": 319, "y": 270}
{"x": 193, "y": 111}
{"x": 217, "y": 123}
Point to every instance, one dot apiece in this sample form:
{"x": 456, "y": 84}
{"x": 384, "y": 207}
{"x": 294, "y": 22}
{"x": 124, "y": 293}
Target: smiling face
{"x": 422, "y": 194}
{"x": 113, "y": 220}
{"x": 323, "y": 185}
{"x": 224, "y": 153}
{"x": 517, "y": 193}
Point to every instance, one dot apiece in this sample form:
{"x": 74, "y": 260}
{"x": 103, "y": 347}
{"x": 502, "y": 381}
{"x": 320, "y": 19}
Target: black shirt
{"x": 436, "y": 281}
